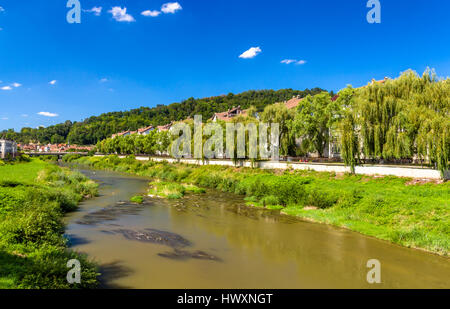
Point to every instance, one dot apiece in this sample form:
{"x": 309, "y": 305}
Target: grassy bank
{"x": 33, "y": 199}
{"x": 172, "y": 190}
{"x": 388, "y": 208}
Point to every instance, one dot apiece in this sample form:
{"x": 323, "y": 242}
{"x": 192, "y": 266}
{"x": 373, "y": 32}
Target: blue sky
{"x": 109, "y": 63}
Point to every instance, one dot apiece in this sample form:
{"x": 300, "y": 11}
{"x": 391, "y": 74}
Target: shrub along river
{"x": 214, "y": 240}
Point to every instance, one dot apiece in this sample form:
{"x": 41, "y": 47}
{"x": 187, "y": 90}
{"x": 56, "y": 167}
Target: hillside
{"x": 97, "y": 128}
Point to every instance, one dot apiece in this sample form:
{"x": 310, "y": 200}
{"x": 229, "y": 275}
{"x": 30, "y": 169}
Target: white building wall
{"x": 7, "y": 147}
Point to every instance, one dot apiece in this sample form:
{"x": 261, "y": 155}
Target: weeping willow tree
{"x": 404, "y": 118}
{"x": 348, "y": 129}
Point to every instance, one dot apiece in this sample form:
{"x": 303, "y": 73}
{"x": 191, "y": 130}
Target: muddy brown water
{"x": 214, "y": 240}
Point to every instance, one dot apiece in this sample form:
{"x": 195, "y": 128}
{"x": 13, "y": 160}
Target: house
{"x": 293, "y": 103}
{"x": 380, "y": 81}
{"x": 142, "y": 131}
{"x": 27, "y": 147}
{"x": 125, "y": 133}
{"x": 229, "y": 115}
{"x": 7, "y": 148}
{"x": 145, "y": 131}
{"x": 165, "y": 127}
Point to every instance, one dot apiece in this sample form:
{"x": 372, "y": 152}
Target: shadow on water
{"x": 183, "y": 255}
{"x": 111, "y": 213}
{"x": 112, "y": 272}
{"x": 74, "y": 240}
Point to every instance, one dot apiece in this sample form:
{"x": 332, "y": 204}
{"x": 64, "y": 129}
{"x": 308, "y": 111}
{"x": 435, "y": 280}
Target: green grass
{"x": 387, "y": 208}
{"x": 172, "y": 190}
{"x": 24, "y": 173}
{"x": 33, "y": 199}
{"x": 137, "y": 199}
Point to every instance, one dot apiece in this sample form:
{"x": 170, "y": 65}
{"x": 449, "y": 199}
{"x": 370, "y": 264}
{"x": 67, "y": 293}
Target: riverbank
{"x": 388, "y": 208}
{"x": 34, "y": 196}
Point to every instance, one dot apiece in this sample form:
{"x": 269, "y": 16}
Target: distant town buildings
{"x": 53, "y": 148}
{"x": 7, "y": 148}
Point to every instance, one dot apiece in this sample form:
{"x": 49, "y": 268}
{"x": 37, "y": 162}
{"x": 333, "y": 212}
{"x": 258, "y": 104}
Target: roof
{"x": 165, "y": 127}
{"x": 230, "y": 114}
{"x": 145, "y": 129}
{"x": 120, "y": 134}
{"x": 293, "y": 103}
{"x": 380, "y": 81}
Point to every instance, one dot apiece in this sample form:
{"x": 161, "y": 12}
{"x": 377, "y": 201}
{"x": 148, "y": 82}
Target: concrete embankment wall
{"x": 399, "y": 171}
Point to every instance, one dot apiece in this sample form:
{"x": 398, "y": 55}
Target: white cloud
{"x": 16, "y": 85}
{"x": 171, "y": 7}
{"x": 251, "y": 53}
{"x": 2, "y": 9}
{"x": 104, "y": 80}
{"x": 120, "y": 14}
{"x": 53, "y": 82}
{"x": 150, "y": 13}
{"x": 1, "y": 29}
{"x": 47, "y": 114}
{"x": 6, "y": 88}
{"x": 24, "y": 115}
{"x": 97, "y": 11}
{"x": 289, "y": 61}
{"x": 4, "y": 118}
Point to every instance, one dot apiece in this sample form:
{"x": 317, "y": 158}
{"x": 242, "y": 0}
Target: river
{"x": 214, "y": 240}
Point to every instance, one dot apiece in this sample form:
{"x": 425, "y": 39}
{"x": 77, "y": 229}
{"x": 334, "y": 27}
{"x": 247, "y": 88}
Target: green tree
{"x": 314, "y": 119}
{"x": 279, "y": 113}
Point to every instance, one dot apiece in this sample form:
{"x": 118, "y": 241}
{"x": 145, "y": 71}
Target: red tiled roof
{"x": 165, "y": 127}
{"x": 145, "y": 129}
{"x": 293, "y": 103}
{"x": 230, "y": 114}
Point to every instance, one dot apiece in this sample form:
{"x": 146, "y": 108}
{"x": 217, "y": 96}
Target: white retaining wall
{"x": 412, "y": 172}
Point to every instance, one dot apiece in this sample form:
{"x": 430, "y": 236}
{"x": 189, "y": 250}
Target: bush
{"x": 287, "y": 189}
{"x": 49, "y": 158}
{"x": 33, "y": 252}
{"x": 68, "y": 158}
{"x": 270, "y": 201}
{"x": 321, "y": 199}
{"x": 194, "y": 189}
{"x": 137, "y": 199}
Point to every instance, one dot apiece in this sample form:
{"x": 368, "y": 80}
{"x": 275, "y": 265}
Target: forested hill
{"x": 97, "y": 128}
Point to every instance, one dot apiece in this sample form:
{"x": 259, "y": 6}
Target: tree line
{"x": 97, "y": 128}
{"x": 406, "y": 118}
